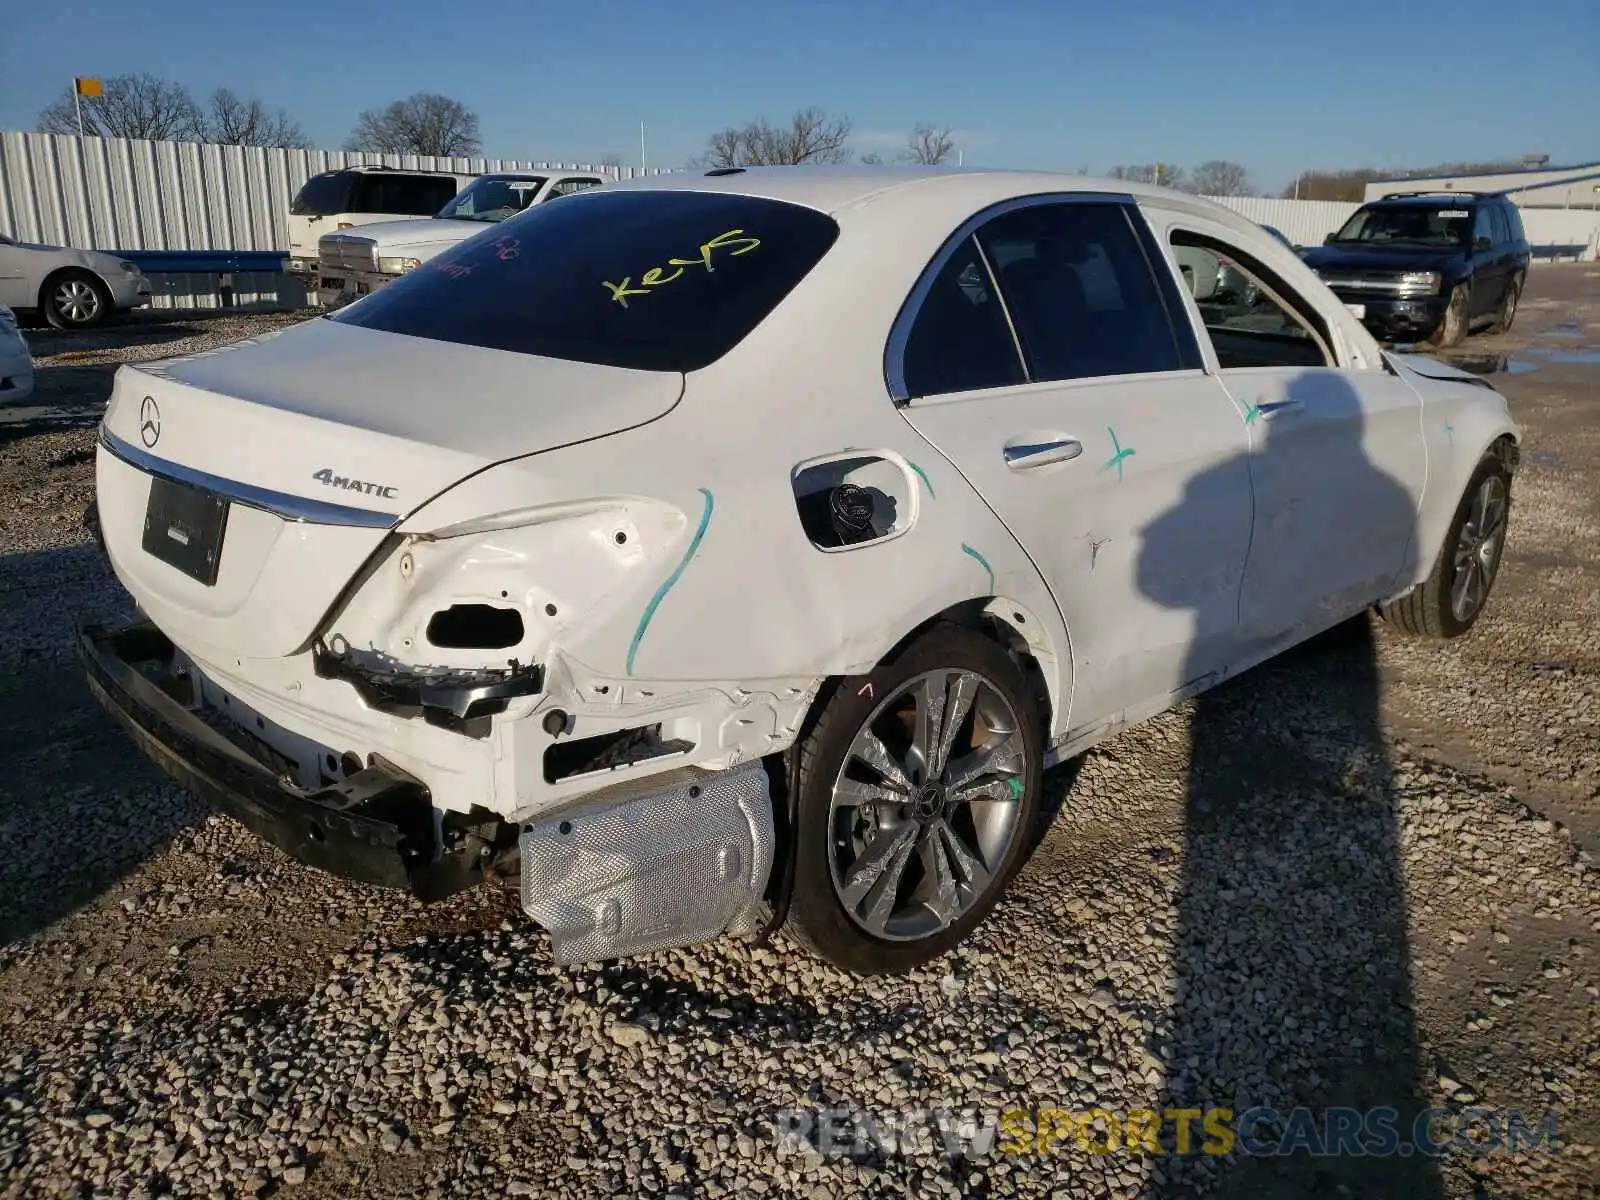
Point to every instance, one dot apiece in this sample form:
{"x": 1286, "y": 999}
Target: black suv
{"x": 1428, "y": 266}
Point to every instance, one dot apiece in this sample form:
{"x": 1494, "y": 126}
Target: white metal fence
{"x": 120, "y": 194}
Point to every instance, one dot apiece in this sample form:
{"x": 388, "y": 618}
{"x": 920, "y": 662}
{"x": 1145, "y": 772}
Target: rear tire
{"x": 891, "y": 873}
{"x": 1468, "y": 561}
{"x": 1452, "y": 326}
{"x": 1507, "y": 312}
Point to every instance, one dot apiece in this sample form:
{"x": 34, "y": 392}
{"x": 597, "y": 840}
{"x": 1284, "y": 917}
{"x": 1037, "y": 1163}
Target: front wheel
{"x": 1451, "y": 600}
{"x": 917, "y": 787}
{"x": 76, "y": 300}
{"x": 1452, "y": 326}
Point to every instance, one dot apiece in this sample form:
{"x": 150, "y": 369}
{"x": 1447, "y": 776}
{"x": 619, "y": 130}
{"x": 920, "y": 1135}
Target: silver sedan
{"x": 74, "y": 289}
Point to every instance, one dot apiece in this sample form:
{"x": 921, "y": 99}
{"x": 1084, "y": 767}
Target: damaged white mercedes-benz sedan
{"x": 719, "y": 552}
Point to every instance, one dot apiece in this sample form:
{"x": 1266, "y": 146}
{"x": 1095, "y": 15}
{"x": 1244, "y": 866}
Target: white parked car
{"x": 720, "y": 550}
{"x": 16, "y": 363}
{"x": 350, "y": 197}
{"x": 74, "y": 289}
{"x": 354, "y": 264}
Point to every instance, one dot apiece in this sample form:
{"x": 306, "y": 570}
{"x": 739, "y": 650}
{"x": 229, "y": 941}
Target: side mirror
{"x": 1328, "y": 241}
{"x": 1482, "y": 243}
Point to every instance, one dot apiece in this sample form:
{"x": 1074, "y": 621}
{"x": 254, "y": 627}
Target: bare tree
{"x": 1221, "y": 178}
{"x": 231, "y": 121}
{"x": 872, "y": 159}
{"x": 1163, "y": 174}
{"x": 422, "y": 123}
{"x": 130, "y": 106}
{"x": 930, "y": 146}
{"x": 811, "y": 136}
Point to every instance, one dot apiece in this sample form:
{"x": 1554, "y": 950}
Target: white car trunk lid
{"x": 323, "y": 438}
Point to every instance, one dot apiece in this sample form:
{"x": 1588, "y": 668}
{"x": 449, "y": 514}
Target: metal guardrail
{"x": 204, "y": 262}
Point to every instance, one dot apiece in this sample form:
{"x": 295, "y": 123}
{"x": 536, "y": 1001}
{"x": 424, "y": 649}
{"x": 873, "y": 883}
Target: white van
{"x": 352, "y": 196}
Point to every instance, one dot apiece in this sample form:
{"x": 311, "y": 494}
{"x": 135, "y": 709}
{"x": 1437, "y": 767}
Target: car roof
{"x": 370, "y": 169}
{"x": 832, "y": 189}
{"x": 1435, "y": 200}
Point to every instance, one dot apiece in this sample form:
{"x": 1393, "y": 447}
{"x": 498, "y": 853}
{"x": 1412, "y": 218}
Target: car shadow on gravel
{"x": 1292, "y": 986}
{"x": 80, "y": 806}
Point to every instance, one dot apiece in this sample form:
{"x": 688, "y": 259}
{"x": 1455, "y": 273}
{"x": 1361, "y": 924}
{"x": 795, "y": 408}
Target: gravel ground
{"x": 1360, "y": 875}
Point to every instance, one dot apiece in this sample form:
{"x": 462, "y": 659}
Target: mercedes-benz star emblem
{"x": 149, "y": 422}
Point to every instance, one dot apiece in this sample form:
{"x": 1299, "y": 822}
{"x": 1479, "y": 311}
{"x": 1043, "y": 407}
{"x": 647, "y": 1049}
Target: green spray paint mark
{"x": 982, "y": 562}
{"x": 1015, "y": 784}
{"x": 923, "y": 475}
{"x": 1116, "y": 459}
{"x": 1450, "y": 432}
{"x": 1251, "y": 412}
{"x": 661, "y": 592}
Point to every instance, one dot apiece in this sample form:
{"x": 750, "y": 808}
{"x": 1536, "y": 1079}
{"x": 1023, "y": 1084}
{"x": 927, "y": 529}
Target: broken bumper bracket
{"x": 375, "y": 826}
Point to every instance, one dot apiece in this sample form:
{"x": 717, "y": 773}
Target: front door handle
{"x": 1273, "y": 408}
{"x": 1032, "y": 452}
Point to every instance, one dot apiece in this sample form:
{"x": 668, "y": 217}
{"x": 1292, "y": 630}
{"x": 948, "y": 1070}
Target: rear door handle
{"x": 1031, "y": 451}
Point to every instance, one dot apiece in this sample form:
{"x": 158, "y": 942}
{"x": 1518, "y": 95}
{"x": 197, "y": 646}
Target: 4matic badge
{"x": 327, "y": 477}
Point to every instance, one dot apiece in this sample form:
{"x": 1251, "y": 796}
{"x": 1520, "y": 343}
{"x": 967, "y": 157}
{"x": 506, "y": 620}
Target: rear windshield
{"x": 653, "y": 280}
{"x": 323, "y": 195}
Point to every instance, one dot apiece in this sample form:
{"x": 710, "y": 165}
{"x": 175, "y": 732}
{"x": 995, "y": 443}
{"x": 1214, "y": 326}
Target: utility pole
{"x": 641, "y": 148}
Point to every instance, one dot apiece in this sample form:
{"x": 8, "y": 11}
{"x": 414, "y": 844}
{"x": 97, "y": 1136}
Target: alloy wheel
{"x": 77, "y": 301}
{"x": 926, "y": 805}
{"x": 1478, "y": 549}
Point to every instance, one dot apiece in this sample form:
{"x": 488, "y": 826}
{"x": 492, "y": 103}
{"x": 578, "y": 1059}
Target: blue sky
{"x": 1273, "y": 84}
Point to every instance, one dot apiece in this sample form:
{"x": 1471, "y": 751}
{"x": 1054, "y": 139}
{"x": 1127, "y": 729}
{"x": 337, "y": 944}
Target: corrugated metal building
{"x": 1560, "y": 206}
{"x": 1534, "y": 187}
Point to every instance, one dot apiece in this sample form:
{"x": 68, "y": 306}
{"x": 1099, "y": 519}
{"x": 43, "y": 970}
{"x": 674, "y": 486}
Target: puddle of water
{"x": 1492, "y": 364}
{"x": 1583, "y": 357}
{"x": 1567, "y": 331}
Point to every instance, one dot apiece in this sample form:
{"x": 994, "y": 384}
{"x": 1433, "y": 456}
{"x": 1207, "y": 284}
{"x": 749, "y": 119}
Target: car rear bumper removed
{"x": 377, "y": 825}
{"x": 638, "y": 866}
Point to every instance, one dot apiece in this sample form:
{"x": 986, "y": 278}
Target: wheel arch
{"x": 55, "y": 275}
{"x": 1044, "y": 660}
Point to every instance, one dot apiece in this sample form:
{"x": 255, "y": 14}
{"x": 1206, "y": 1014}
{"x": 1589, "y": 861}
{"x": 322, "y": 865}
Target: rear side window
{"x": 1080, "y": 292}
{"x": 1514, "y": 223}
{"x": 405, "y": 195}
{"x": 652, "y": 280}
{"x": 960, "y": 340}
{"x": 323, "y": 195}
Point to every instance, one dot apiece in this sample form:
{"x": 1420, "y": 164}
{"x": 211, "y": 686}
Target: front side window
{"x": 1408, "y": 224}
{"x": 1080, "y": 292}
{"x": 1483, "y": 227}
{"x": 567, "y": 187}
{"x": 960, "y": 340}
{"x": 1251, "y": 316}
{"x": 651, "y": 280}
{"x": 493, "y": 198}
